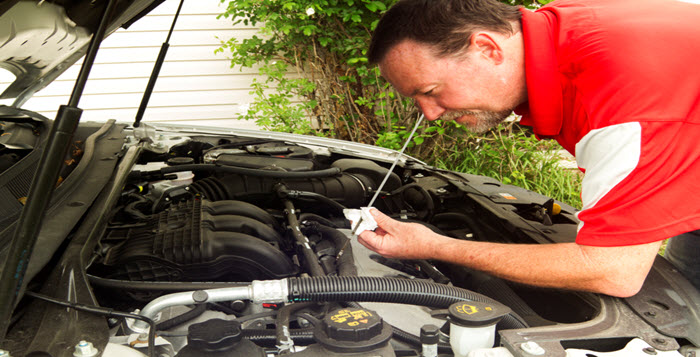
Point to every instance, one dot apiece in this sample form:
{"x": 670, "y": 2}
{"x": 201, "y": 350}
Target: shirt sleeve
{"x": 640, "y": 183}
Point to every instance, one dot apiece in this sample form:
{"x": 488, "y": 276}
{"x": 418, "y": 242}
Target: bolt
{"x": 649, "y": 351}
{"x": 238, "y": 305}
{"x": 143, "y": 337}
{"x": 85, "y": 349}
{"x": 441, "y": 190}
{"x": 650, "y": 314}
{"x": 659, "y": 341}
{"x": 532, "y": 348}
{"x": 418, "y": 176}
{"x": 200, "y": 296}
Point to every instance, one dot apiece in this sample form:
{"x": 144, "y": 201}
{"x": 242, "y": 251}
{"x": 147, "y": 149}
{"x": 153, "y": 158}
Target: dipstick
{"x": 391, "y": 169}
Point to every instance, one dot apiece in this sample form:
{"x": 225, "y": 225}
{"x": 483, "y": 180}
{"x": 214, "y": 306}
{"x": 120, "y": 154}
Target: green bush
{"x": 312, "y": 58}
{"x": 512, "y": 155}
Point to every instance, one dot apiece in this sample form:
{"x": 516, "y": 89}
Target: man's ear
{"x": 487, "y": 46}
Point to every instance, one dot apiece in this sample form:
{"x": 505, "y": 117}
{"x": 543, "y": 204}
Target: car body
{"x": 235, "y": 241}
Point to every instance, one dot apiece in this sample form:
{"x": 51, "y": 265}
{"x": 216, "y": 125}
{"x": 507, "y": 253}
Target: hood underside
{"x": 39, "y": 40}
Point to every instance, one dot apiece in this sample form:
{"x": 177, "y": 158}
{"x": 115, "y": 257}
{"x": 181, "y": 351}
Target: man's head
{"x": 445, "y": 25}
{"x": 458, "y": 59}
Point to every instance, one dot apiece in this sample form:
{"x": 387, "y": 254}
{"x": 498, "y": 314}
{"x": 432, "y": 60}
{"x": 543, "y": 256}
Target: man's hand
{"x": 401, "y": 240}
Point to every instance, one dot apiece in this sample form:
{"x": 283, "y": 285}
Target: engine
{"x": 239, "y": 247}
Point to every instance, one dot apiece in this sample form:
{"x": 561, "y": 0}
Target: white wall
{"x": 195, "y": 85}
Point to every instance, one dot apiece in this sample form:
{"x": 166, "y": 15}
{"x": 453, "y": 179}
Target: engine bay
{"x": 226, "y": 209}
{"x": 236, "y": 245}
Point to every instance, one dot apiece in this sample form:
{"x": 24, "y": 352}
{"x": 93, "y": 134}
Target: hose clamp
{"x": 269, "y": 291}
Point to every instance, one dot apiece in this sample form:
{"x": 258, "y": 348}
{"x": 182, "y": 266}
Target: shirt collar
{"x": 543, "y": 110}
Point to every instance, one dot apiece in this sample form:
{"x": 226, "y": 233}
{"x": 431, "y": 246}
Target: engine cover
{"x": 198, "y": 241}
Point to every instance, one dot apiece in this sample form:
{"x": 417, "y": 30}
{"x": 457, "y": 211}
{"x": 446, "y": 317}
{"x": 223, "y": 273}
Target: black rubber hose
{"x": 312, "y": 264}
{"x": 132, "y": 210}
{"x": 304, "y": 217}
{"x": 251, "y": 172}
{"x": 318, "y": 197}
{"x": 376, "y": 289}
{"x": 462, "y": 219}
{"x": 345, "y": 260}
{"x": 178, "y": 320}
{"x": 432, "y": 272}
{"x": 428, "y": 202}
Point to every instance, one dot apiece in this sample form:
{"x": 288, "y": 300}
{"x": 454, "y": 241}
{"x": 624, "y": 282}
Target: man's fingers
{"x": 366, "y": 239}
{"x": 380, "y": 218}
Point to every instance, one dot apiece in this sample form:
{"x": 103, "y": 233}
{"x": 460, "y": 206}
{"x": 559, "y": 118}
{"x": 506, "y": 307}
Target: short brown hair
{"x": 447, "y": 25}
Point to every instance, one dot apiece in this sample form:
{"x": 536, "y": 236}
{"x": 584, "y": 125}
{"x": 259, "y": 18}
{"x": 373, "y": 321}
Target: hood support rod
{"x": 156, "y": 70}
{"x": 12, "y": 282}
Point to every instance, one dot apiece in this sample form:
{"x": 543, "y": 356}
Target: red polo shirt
{"x": 615, "y": 83}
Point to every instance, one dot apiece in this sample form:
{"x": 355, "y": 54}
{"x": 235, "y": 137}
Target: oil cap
{"x": 476, "y": 313}
{"x": 352, "y": 330}
{"x": 214, "y": 335}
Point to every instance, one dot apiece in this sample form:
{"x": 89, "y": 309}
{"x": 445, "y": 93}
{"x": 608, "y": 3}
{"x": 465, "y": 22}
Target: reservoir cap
{"x": 353, "y": 330}
{"x": 476, "y": 313}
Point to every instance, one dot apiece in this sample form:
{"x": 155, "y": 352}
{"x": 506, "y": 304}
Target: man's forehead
{"x": 405, "y": 64}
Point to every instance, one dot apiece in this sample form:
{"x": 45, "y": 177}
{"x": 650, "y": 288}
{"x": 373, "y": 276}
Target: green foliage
{"x": 512, "y": 155}
{"x": 322, "y": 44}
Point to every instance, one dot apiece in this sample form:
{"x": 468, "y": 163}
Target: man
{"x": 611, "y": 80}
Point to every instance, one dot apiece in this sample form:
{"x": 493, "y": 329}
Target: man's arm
{"x": 617, "y": 271}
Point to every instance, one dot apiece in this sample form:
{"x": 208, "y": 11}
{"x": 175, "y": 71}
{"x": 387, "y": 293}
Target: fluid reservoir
{"x": 473, "y": 325}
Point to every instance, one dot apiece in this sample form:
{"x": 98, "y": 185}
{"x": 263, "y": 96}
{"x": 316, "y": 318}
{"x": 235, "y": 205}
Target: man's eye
{"x": 429, "y": 92}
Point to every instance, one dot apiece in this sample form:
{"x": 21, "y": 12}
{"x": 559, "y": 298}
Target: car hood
{"x": 39, "y": 40}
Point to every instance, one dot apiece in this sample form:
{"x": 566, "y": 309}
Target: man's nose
{"x": 430, "y": 108}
